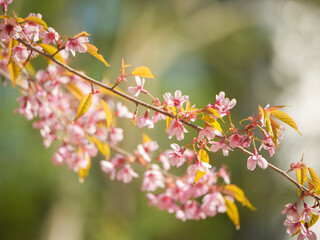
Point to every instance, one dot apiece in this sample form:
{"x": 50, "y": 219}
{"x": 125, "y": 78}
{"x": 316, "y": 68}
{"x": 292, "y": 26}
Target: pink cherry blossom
{"x": 163, "y": 158}
{"x": 176, "y": 101}
{"x": 224, "y": 175}
{"x": 144, "y": 120}
{"x": 235, "y": 140}
{"x": 293, "y": 226}
{"x": 306, "y": 235}
{"x": 216, "y": 146}
{"x": 135, "y": 91}
{"x": 108, "y": 167}
{"x": 176, "y": 128}
{"x": 152, "y": 179}
{"x": 126, "y": 174}
{"x": 201, "y": 166}
{"x": 77, "y": 45}
{"x": 20, "y": 53}
{"x": 213, "y": 203}
{"x": 209, "y": 132}
{"x": 157, "y": 117}
{"x": 306, "y": 213}
{"x": 254, "y": 159}
{"x": 223, "y": 105}
{"x": 122, "y": 111}
{"x": 9, "y": 28}
{"x": 115, "y": 135}
{"x": 5, "y": 4}
{"x": 292, "y": 212}
{"x": 176, "y": 157}
{"x": 49, "y": 36}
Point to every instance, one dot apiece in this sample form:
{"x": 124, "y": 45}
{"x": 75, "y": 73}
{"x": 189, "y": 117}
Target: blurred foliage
{"x": 200, "y": 47}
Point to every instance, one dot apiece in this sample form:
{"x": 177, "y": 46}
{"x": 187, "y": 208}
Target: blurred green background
{"x": 201, "y": 47}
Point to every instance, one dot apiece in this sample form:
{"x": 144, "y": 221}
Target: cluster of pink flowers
{"x": 299, "y": 221}
{"x": 51, "y": 98}
{"x": 180, "y": 195}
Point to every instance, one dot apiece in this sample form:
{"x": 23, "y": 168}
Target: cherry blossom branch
{"x": 139, "y": 102}
{"x": 111, "y": 89}
{"x": 280, "y": 171}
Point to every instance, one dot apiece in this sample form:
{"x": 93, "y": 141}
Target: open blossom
{"x": 108, "y": 167}
{"x": 220, "y": 145}
{"x": 176, "y": 128}
{"x": 135, "y": 91}
{"x": 50, "y": 36}
{"x": 209, "y": 132}
{"x": 176, "y": 101}
{"x": 213, "y": 203}
{"x": 20, "y": 53}
{"x": 306, "y": 213}
{"x": 126, "y": 174}
{"x": 9, "y": 28}
{"x": 176, "y": 157}
{"x": 293, "y": 226}
{"x": 115, "y": 135}
{"x": 144, "y": 120}
{"x": 254, "y": 159}
{"x": 201, "y": 166}
{"x": 292, "y": 212}
{"x": 235, "y": 140}
{"x": 223, "y": 105}
{"x": 152, "y": 179}
{"x": 77, "y": 45}
{"x": 122, "y": 111}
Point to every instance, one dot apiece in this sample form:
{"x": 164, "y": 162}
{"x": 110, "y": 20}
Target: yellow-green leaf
{"x": 203, "y": 156}
{"x": 239, "y": 195}
{"x": 14, "y": 72}
{"x": 94, "y": 52}
{"x": 83, "y": 106}
{"x": 232, "y": 212}
{"x": 315, "y": 180}
{"x": 12, "y": 44}
{"x": 108, "y": 113}
{"x": 52, "y": 50}
{"x": 5, "y": 16}
{"x": 213, "y": 111}
{"x": 214, "y": 123}
{"x": 73, "y": 88}
{"x": 146, "y": 138}
{"x": 103, "y": 148}
{"x": 269, "y": 127}
{"x": 275, "y": 130}
{"x": 314, "y": 219}
{"x": 285, "y": 118}
{"x": 143, "y": 71}
{"x": 83, "y": 33}
{"x": 36, "y": 20}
